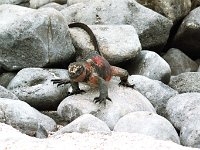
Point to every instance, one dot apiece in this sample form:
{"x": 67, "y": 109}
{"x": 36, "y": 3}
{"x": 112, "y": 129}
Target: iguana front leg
{"x": 123, "y": 74}
{"x": 60, "y": 81}
{"x": 75, "y": 89}
{"x": 103, "y": 89}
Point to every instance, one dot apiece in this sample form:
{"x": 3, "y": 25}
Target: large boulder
{"x": 34, "y": 86}
{"x": 186, "y": 82}
{"x": 153, "y": 29}
{"x": 23, "y": 117}
{"x": 187, "y": 36}
{"x": 33, "y": 38}
{"x": 179, "y": 62}
{"x": 124, "y": 100}
{"x": 172, "y": 9}
{"x": 113, "y": 47}
{"x": 155, "y": 91}
{"x": 147, "y": 123}
{"x": 151, "y": 65}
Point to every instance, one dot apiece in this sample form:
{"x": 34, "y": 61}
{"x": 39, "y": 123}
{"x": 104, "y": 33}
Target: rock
{"x": 34, "y": 86}
{"x": 33, "y": 38}
{"x": 84, "y": 123}
{"x": 4, "y": 93}
{"x": 190, "y": 131}
{"x": 88, "y": 140}
{"x": 189, "y": 29}
{"x": 172, "y": 9}
{"x": 179, "y": 62}
{"x": 183, "y": 111}
{"x": 54, "y": 5}
{"x": 41, "y": 132}
{"x": 155, "y": 91}
{"x": 113, "y": 47}
{"x": 5, "y": 78}
{"x": 182, "y": 108}
{"x": 23, "y": 117}
{"x": 39, "y": 3}
{"x": 125, "y": 101}
{"x": 12, "y": 1}
{"x": 153, "y": 29}
{"x": 186, "y": 82}
{"x": 195, "y": 3}
{"x": 151, "y": 65}
{"x": 147, "y": 123}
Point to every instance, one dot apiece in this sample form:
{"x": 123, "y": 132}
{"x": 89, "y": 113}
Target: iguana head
{"x": 77, "y": 71}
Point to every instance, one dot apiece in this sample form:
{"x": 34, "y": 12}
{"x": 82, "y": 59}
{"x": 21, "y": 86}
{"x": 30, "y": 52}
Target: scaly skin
{"x": 92, "y": 69}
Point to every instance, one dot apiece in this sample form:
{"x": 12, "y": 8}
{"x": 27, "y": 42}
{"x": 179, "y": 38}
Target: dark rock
{"x": 187, "y": 37}
{"x": 179, "y": 62}
{"x": 172, "y": 9}
{"x": 186, "y": 82}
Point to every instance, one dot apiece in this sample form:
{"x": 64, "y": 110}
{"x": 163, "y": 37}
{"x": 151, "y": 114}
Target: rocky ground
{"x": 156, "y": 41}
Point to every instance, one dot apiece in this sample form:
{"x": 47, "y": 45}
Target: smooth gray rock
{"x": 124, "y": 100}
{"x": 179, "y": 62}
{"x": 34, "y": 86}
{"x": 151, "y": 65}
{"x": 33, "y": 38}
{"x": 5, "y": 78}
{"x": 186, "y": 82}
{"x": 147, "y": 123}
{"x": 88, "y": 140}
{"x": 172, "y": 9}
{"x": 112, "y": 46}
{"x": 182, "y": 108}
{"x": 190, "y": 131}
{"x": 84, "y": 123}
{"x": 153, "y": 29}
{"x": 23, "y": 117}
{"x": 12, "y": 1}
{"x": 186, "y": 38}
{"x": 39, "y": 3}
{"x": 4, "y": 93}
{"x": 155, "y": 91}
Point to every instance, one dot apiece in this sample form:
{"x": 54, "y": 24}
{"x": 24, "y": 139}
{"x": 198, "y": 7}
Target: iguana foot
{"x": 127, "y": 84}
{"x": 101, "y": 99}
{"x": 60, "y": 81}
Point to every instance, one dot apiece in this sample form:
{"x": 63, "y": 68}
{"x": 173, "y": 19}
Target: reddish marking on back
{"x": 98, "y": 60}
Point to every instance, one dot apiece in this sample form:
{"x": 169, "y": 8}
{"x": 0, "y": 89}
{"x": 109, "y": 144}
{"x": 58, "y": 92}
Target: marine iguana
{"x": 92, "y": 68}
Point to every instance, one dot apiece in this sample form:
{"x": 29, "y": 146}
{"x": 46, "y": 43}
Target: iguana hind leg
{"x": 123, "y": 74}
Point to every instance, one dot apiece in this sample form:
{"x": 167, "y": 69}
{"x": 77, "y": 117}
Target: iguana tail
{"x": 90, "y": 33}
